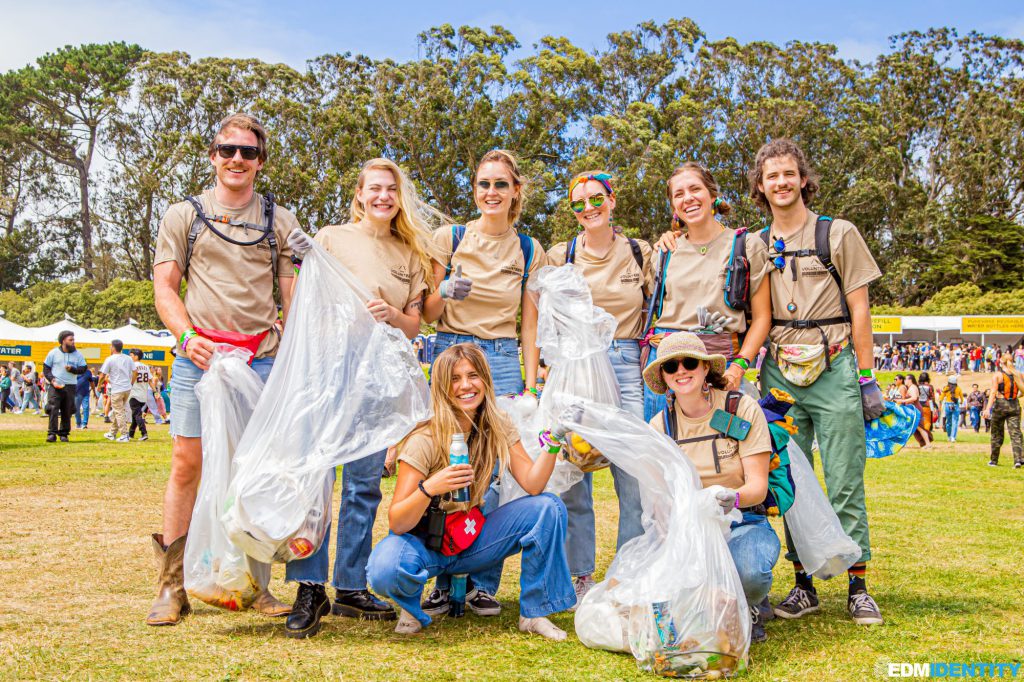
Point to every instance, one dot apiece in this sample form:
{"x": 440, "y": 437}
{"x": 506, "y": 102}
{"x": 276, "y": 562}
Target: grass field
{"x": 77, "y": 581}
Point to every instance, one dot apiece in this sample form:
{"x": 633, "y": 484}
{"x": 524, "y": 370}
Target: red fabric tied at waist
{"x": 250, "y": 342}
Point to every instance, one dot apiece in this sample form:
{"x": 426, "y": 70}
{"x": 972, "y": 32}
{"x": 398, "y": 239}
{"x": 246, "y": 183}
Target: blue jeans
{"x": 950, "y": 419}
{"x": 755, "y": 549}
{"x": 654, "y": 403}
{"x": 81, "y": 410}
{"x": 184, "y": 403}
{"x": 30, "y": 399}
{"x": 360, "y": 497}
{"x": 502, "y": 357}
{"x": 400, "y": 565}
{"x": 975, "y": 414}
{"x": 581, "y": 541}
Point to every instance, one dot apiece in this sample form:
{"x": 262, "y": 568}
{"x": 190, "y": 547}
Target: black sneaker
{"x": 766, "y": 613}
{"x": 361, "y": 604}
{"x": 63, "y": 439}
{"x": 436, "y": 604}
{"x": 757, "y": 633}
{"x": 798, "y": 602}
{"x": 311, "y": 604}
{"x": 51, "y": 439}
{"x": 482, "y": 604}
{"x": 993, "y": 464}
{"x": 864, "y": 609}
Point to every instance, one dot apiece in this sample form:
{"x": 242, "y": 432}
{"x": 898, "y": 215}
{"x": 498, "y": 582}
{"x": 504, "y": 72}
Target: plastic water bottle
{"x": 459, "y": 454}
{"x": 457, "y": 596}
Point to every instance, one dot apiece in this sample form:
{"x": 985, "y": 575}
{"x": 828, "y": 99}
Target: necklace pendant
{"x": 703, "y": 250}
{"x": 791, "y": 307}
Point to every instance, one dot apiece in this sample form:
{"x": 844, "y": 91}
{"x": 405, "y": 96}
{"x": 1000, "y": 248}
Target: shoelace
{"x": 755, "y": 615}
{"x": 862, "y": 600}
{"x": 797, "y": 597}
{"x": 304, "y": 599}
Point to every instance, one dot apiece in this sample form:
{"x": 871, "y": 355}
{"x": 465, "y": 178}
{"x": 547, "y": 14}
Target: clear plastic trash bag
{"x": 825, "y": 550}
{"x": 574, "y": 336}
{"x": 343, "y": 387}
{"x": 526, "y": 416}
{"x": 672, "y": 596}
{"x": 216, "y": 571}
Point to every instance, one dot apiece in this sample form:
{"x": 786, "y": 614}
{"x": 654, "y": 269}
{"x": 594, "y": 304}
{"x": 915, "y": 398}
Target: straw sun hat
{"x": 675, "y": 347}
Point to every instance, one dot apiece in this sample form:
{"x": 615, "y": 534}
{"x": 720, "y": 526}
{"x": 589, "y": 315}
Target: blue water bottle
{"x": 457, "y": 596}
{"x": 459, "y": 454}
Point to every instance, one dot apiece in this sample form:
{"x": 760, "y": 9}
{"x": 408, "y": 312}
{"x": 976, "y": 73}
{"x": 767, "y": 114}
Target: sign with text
{"x": 16, "y": 350}
{"x": 1010, "y": 324}
{"x": 881, "y": 324}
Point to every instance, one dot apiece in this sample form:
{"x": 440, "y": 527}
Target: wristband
{"x": 185, "y": 336}
{"x": 869, "y": 373}
{"x": 865, "y": 380}
{"x": 742, "y": 362}
{"x": 549, "y": 442}
{"x": 737, "y": 500}
{"x": 424, "y": 490}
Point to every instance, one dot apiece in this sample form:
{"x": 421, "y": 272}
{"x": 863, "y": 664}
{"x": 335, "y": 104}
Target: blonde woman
{"x": 481, "y": 278}
{"x": 385, "y": 247}
{"x": 462, "y": 393}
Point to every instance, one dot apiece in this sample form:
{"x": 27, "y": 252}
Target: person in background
{"x": 137, "y": 395}
{"x": 31, "y": 395}
{"x": 951, "y": 399}
{"x": 913, "y": 398}
{"x": 84, "y": 388}
{"x": 926, "y": 403}
{"x": 116, "y": 374}
{"x": 17, "y": 387}
{"x": 61, "y": 368}
{"x": 975, "y": 403}
{"x": 1004, "y": 408}
{"x": 5, "y": 390}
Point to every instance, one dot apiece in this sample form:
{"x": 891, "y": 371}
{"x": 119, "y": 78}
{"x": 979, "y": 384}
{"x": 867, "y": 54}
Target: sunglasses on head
{"x": 499, "y": 185}
{"x": 672, "y": 366}
{"x": 580, "y": 205}
{"x": 227, "y": 151}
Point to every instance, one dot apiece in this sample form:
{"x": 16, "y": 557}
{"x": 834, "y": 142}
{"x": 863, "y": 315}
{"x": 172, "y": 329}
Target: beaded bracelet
{"x": 549, "y": 441}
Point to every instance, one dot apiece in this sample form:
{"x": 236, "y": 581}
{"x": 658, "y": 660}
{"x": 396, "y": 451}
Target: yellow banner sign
{"x": 992, "y": 325}
{"x": 886, "y": 325}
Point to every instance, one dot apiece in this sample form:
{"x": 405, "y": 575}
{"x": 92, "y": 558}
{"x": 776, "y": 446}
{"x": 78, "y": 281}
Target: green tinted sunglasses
{"x": 580, "y": 205}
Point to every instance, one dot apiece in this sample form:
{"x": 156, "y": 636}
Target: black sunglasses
{"x": 672, "y": 366}
{"x": 227, "y": 151}
{"x": 500, "y": 185}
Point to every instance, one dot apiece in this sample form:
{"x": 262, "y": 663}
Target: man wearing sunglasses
{"x": 820, "y": 270}
{"x": 230, "y": 244}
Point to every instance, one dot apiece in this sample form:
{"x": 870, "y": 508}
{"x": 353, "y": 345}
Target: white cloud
{"x": 218, "y": 29}
{"x": 861, "y": 50}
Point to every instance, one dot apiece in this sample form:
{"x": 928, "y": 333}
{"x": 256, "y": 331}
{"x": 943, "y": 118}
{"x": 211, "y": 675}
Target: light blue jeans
{"x": 755, "y": 549}
{"x": 81, "y": 410}
{"x": 502, "y": 357}
{"x": 360, "y": 497}
{"x": 653, "y": 403}
{"x": 535, "y": 525}
{"x": 951, "y": 419}
{"x": 581, "y": 541}
{"x": 184, "y": 403}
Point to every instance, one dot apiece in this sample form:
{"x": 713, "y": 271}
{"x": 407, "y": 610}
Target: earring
{"x": 705, "y": 390}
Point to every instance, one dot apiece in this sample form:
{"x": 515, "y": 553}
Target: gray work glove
{"x": 300, "y": 243}
{"x": 709, "y": 323}
{"x": 570, "y": 415}
{"x": 871, "y": 400}
{"x": 726, "y": 499}
{"x": 456, "y": 287}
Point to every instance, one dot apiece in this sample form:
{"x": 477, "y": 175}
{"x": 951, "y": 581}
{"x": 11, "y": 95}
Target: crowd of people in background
{"x": 955, "y": 358}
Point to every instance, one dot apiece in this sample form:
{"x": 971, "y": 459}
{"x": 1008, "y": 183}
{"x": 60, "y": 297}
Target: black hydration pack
{"x": 264, "y": 232}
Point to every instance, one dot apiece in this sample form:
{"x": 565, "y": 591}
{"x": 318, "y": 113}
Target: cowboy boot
{"x": 269, "y": 605}
{"x": 171, "y": 602}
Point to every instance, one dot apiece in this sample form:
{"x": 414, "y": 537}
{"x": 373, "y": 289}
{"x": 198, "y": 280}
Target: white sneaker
{"x": 123, "y": 439}
{"x": 143, "y": 438}
{"x": 109, "y": 436}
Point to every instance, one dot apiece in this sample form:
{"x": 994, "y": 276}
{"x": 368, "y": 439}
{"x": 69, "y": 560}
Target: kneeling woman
{"x": 694, "y": 385}
{"x": 462, "y": 393}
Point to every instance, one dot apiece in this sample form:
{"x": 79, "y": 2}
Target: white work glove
{"x": 709, "y": 323}
{"x": 456, "y": 287}
{"x": 300, "y": 243}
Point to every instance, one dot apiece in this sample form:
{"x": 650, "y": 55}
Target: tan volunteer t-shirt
{"x": 730, "y": 451}
{"x": 617, "y": 283}
{"x": 421, "y": 452}
{"x": 230, "y": 287}
{"x": 384, "y": 265}
{"x": 695, "y": 279}
{"x": 814, "y": 292}
{"x": 495, "y": 264}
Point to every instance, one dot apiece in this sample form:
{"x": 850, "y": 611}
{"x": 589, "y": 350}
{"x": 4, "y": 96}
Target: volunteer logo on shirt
{"x": 814, "y": 269}
{"x": 263, "y": 246}
{"x": 512, "y": 268}
{"x": 630, "y": 278}
{"x": 401, "y": 273}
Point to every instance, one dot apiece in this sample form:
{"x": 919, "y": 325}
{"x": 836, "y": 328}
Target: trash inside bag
{"x": 574, "y": 336}
{"x": 672, "y": 596}
{"x": 216, "y": 571}
{"x": 888, "y": 434}
{"x": 343, "y": 387}
{"x": 525, "y": 414}
{"x": 825, "y": 550}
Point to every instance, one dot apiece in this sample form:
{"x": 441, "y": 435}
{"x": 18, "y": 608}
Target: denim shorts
{"x": 184, "y": 403}
{"x": 502, "y": 357}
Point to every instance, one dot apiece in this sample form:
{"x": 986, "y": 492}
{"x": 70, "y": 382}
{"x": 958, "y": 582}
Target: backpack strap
{"x": 458, "y": 232}
{"x": 570, "y": 251}
{"x": 526, "y": 246}
{"x": 658, "y": 296}
{"x": 202, "y": 222}
{"x": 638, "y": 255}
{"x": 823, "y": 250}
{"x": 268, "y": 215}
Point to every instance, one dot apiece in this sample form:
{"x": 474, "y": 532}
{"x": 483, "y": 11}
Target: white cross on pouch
{"x": 470, "y": 527}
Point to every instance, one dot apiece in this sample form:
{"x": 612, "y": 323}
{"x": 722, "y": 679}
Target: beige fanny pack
{"x": 802, "y": 363}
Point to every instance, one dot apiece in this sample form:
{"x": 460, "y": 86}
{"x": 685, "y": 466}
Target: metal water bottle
{"x": 457, "y": 596}
{"x": 459, "y": 454}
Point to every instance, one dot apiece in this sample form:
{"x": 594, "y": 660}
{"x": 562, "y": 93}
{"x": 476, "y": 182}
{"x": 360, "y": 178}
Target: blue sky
{"x": 296, "y": 30}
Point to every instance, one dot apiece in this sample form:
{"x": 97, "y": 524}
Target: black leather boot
{"x": 362, "y": 604}
{"x": 311, "y": 604}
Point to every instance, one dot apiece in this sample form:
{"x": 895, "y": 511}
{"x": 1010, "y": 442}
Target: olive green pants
{"x": 830, "y": 409}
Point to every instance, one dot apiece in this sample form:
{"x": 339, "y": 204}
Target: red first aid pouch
{"x": 461, "y": 529}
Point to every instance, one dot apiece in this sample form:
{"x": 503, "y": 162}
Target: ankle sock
{"x": 857, "y": 574}
{"x": 803, "y": 579}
